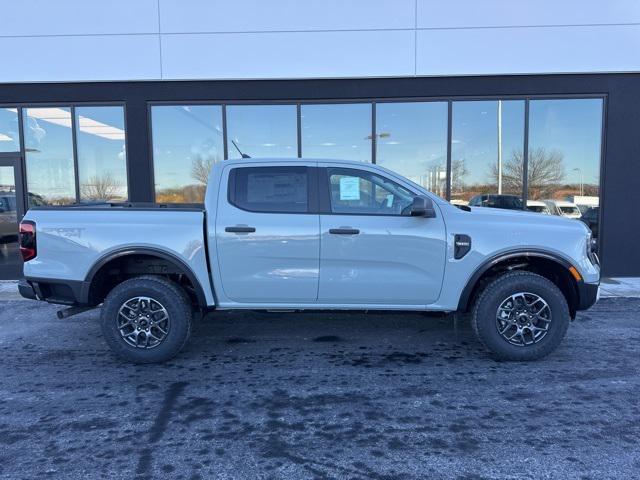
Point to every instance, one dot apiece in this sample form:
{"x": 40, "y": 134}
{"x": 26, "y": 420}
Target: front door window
{"x": 360, "y": 192}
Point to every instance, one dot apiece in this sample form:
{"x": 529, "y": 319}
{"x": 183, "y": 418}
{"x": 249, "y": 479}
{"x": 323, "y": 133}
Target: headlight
{"x": 592, "y": 249}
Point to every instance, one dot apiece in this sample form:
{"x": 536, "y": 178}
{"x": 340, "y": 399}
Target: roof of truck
{"x": 295, "y": 160}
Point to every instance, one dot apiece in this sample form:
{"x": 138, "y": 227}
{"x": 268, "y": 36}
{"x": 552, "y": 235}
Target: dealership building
{"x": 532, "y": 105}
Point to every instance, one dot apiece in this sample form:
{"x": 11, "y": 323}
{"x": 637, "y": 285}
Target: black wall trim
{"x": 620, "y": 168}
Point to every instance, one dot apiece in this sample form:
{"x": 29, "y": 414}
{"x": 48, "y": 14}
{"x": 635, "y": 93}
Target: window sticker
{"x": 390, "y": 200}
{"x": 349, "y": 188}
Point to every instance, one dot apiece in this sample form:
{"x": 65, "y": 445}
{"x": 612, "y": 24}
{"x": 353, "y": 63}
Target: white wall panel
{"x": 288, "y": 55}
{"x": 77, "y": 58}
{"x": 490, "y": 13}
{"x": 528, "y": 50}
{"x": 76, "y": 40}
{"x": 76, "y": 17}
{"x": 208, "y": 16}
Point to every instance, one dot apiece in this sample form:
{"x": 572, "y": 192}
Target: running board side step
{"x": 71, "y": 311}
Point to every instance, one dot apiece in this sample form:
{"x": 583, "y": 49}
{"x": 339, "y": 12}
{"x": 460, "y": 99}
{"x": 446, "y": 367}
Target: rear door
{"x": 372, "y": 250}
{"x": 268, "y": 244}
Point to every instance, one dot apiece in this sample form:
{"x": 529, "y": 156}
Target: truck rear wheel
{"x": 521, "y": 316}
{"x": 146, "y": 319}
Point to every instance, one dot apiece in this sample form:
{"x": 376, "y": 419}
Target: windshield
{"x": 570, "y": 210}
{"x": 509, "y": 202}
{"x": 538, "y": 209}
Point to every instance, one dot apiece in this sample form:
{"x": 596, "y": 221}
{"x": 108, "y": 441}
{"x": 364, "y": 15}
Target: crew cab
{"x": 279, "y": 234}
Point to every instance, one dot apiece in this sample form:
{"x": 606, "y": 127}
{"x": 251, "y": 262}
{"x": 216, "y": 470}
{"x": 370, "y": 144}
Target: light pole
{"x": 581, "y": 180}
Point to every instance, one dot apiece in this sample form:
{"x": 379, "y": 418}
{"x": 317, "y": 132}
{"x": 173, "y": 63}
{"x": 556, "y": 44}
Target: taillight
{"x": 28, "y": 248}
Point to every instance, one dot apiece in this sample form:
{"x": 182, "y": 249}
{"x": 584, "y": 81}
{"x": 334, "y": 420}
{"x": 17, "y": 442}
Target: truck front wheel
{"x": 521, "y": 316}
{"x": 146, "y": 319}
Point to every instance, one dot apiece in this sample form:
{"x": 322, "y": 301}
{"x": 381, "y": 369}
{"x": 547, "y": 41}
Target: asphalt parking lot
{"x": 349, "y": 396}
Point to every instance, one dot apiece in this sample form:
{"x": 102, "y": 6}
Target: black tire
{"x": 485, "y": 324}
{"x": 170, "y": 296}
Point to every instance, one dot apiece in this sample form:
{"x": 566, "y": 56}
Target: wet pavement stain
{"x": 318, "y": 395}
{"x": 159, "y": 426}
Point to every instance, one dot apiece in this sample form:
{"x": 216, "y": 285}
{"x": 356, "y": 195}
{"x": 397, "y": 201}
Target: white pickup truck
{"x": 301, "y": 234}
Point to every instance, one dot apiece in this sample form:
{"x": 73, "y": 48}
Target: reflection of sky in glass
{"x": 474, "y": 149}
{"x": 412, "y": 140}
{"x": 572, "y": 127}
{"x": 9, "y": 139}
{"x": 102, "y": 161}
{"x": 182, "y": 135}
{"x": 337, "y": 131}
{"x": 262, "y": 130}
{"x": 49, "y": 154}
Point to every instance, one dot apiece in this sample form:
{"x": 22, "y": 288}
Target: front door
{"x": 11, "y": 212}
{"x": 371, "y": 250}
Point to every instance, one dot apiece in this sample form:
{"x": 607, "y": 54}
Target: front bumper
{"x": 588, "y": 295}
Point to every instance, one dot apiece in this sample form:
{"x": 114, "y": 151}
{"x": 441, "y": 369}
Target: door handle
{"x": 344, "y": 231}
{"x": 240, "y": 229}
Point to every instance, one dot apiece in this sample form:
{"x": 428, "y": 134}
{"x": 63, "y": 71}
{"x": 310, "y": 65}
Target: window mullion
{"x": 75, "y": 153}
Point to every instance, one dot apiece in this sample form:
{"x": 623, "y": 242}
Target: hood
{"x": 492, "y": 215}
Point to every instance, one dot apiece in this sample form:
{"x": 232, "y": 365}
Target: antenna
{"x": 243, "y": 155}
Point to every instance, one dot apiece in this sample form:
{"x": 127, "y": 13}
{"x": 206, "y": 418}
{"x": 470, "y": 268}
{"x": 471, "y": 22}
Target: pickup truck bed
{"x": 84, "y": 239}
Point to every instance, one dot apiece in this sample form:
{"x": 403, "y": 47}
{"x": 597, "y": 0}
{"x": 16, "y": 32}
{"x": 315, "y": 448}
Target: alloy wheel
{"x": 143, "y": 322}
{"x": 523, "y": 319}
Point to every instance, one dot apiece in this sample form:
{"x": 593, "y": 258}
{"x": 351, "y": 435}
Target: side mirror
{"x": 422, "y": 207}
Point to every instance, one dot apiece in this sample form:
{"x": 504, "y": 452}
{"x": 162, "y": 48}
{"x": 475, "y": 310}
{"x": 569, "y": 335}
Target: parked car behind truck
{"x": 310, "y": 234}
{"x": 563, "y": 208}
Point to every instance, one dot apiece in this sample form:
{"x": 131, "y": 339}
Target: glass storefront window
{"x": 412, "y": 140}
{"x": 487, "y": 153}
{"x": 9, "y": 131}
{"x": 340, "y": 131}
{"x": 262, "y": 131}
{"x": 49, "y": 156}
{"x": 187, "y": 141}
{"x": 102, "y": 157}
{"x": 564, "y": 156}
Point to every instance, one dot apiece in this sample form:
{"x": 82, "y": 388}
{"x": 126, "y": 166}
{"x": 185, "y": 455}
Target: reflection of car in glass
{"x": 36, "y": 200}
{"x": 538, "y": 207}
{"x": 584, "y": 202}
{"x": 509, "y": 202}
{"x": 563, "y": 208}
{"x": 592, "y": 218}
{"x": 308, "y": 235}
{"x": 8, "y": 219}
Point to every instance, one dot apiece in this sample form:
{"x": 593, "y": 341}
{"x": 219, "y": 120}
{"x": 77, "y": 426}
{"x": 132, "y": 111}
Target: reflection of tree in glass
{"x": 200, "y": 169}
{"x": 101, "y": 187}
{"x": 545, "y": 172}
{"x": 458, "y": 172}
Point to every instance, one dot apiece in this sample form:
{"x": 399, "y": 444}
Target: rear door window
{"x": 270, "y": 189}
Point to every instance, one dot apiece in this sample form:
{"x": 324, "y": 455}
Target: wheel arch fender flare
{"x": 155, "y": 252}
{"x": 467, "y": 292}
